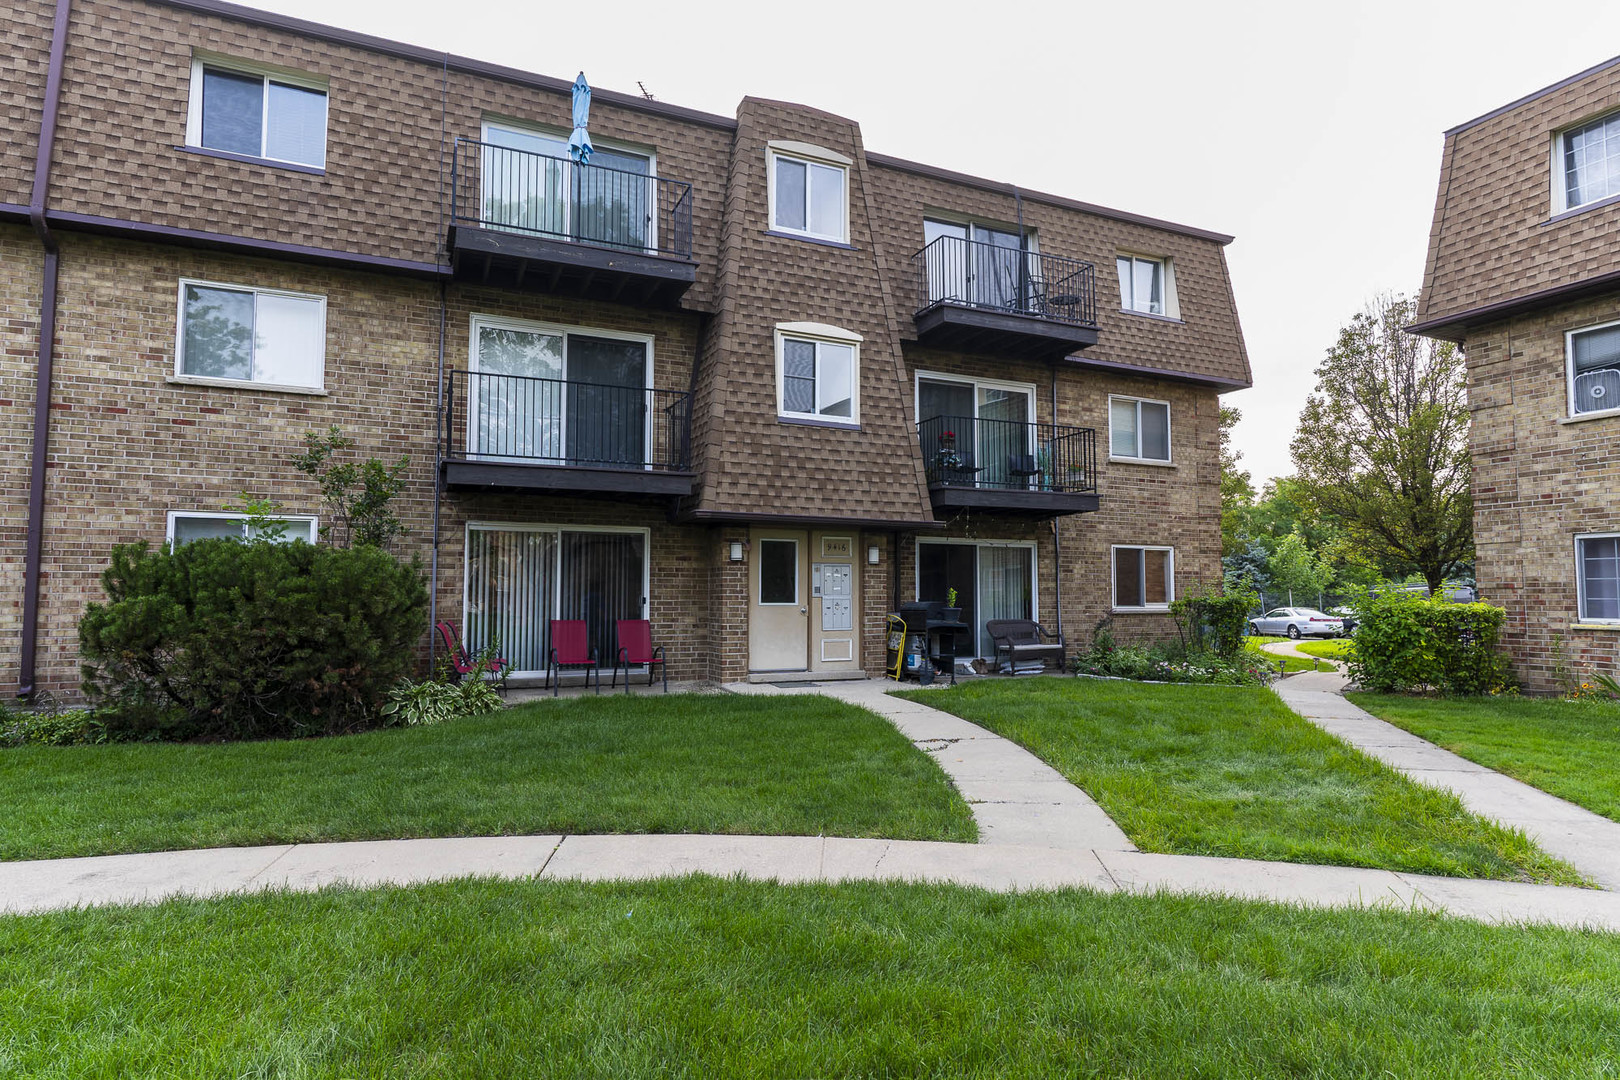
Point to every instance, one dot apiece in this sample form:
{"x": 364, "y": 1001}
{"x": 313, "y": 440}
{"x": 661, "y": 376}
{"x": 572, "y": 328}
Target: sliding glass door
{"x": 976, "y": 265}
{"x": 991, "y": 424}
{"x": 551, "y": 396}
{"x": 520, "y": 577}
{"x": 992, "y": 581}
{"x": 530, "y": 184}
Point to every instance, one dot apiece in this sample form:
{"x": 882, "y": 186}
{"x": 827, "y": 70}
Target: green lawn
{"x": 699, "y": 978}
{"x": 1289, "y": 664}
{"x": 1216, "y": 770}
{"x": 1332, "y": 649}
{"x": 1568, "y": 749}
{"x": 711, "y": 763}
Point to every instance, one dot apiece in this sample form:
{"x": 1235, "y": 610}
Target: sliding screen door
{"x": 1003, "y": 429}
{"x": 601, "y": 582}
{"x": 1006, "y": 588}
{"x": 511, "y": 591}
{"x": 607, "y": 411}
{"x": 612, "y": 200}
{"x": 524, "y": 175}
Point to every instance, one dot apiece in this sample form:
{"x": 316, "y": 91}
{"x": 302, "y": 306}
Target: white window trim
{"x": 556, "y": 607}
{"x": 759, "y": 574}
{"x": 180, "y": 372}
{"x": 289, "y": 76}
{"x": 1569, "y": 373}
{"x": 1167, "y": 269}
{"x": 1034, "y": 568}
{"x": 831, "y": 335}
{"x": 1580, "y": 580}
{"x": 1560, "y": 179}
{"x": 525, "y": 127}
{"x": 977, "y": 384}
{"x": 1113, "y": 583}
{"x": 1032, "y": 239}
{"x": 1169, "y": 432}
{"x": 818, "y": 156}
{"x": 232, "y": 515}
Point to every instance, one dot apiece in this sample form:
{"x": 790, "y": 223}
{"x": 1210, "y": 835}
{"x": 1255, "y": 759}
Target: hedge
{"x": 1406, "y": 642}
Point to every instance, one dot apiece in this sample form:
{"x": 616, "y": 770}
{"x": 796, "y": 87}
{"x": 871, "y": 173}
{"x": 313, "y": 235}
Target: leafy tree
{"x": 359, "y": 494}
{"x": 1295, "y": 568}
{"x": 1382, "y": 446}
{"x": 1237, "y": 488}
{"x": 1248, "y": 569}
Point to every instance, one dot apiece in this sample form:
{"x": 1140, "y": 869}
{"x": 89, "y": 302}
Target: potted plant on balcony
{"x": 950, "y": 612}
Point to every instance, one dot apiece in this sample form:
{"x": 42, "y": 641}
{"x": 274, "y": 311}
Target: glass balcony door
{"x": 992, "y": 581}
{"x": 989, "y": 427}
{"x": 530, "y": 184}
{"x": 544, "y": 396}
{"x": 976, "y": 265}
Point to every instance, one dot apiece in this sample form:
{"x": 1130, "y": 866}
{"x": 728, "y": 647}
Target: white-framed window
{"x": 1147, "y": 285}
{"x": 244, "y": 334}
{"x": 818, "y": 373}
{"x": 810, "y": 197}
{"x": 184, "y": 526}
{"x": 1593, "y": 359}
{"x": 1597, "y": 577}
{"x": 1586, "y": 163}
{"x": 519, "y": 577}
{"x": 257, "y": 111}
{"x": 1144, "y": 578}
{"x": 1138, "y": 429}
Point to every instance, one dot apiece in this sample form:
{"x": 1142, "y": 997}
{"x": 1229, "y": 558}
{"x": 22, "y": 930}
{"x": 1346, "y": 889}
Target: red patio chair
{"x": 463, "y": 664}
{"x": 571, "y": 647}
{"x": 636, "y": 647}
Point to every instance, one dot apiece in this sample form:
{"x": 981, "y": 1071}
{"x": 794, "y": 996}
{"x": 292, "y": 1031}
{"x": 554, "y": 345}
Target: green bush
{"x": 1212, "y": 618}
{"x": 220, "y": 639}
{"x": 1168, "y": 663}
{"x": 70, "y": 727}
{"x": 1406, "y": 642}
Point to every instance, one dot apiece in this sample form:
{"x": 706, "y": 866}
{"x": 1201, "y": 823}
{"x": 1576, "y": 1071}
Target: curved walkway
{"x": 1038, "y": 831}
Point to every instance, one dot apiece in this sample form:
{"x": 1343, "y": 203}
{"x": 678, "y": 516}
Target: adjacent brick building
{"x": 737, "y": 375}
{"x": 1523, "y": 273}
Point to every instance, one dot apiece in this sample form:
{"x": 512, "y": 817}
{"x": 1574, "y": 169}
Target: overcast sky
{"x": 1312, "y": 132}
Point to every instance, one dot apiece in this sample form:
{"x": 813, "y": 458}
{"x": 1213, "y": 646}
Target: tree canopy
{"x": 1382, "y": 447}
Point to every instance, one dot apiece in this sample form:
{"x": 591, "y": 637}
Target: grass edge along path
{"x": 1569, "y": 749}
{"x": 1231, "y": 771}
{"x": 686, "y": 763}
{"x": 699, "y": 977}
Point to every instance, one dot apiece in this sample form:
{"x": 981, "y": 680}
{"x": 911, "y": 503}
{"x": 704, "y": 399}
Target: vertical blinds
{"x": 518, "y": 580}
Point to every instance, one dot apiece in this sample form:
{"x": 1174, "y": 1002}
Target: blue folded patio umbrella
{"x": 579, "y": 143}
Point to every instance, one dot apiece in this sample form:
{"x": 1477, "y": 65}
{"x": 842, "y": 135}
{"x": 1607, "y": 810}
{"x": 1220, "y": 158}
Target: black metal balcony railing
{"x": 975, "y": 274}
{"x": 1006, "y": 455}
{"x": 497, "y": 187}
{"x": 522, "y": 420}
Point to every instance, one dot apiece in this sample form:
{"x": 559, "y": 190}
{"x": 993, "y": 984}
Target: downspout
{"x": 442, "y": 431}
{"x": 1057, "y": 532}
{"x": 46, "y": 354}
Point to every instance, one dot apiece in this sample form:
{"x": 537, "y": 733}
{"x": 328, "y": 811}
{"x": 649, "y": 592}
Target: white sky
{"x": 1310, "y": 131}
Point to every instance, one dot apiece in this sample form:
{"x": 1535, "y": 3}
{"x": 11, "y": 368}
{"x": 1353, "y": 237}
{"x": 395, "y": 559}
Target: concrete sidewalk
{"x": 1587, "y": 841}
{"x": 1037, "y": 831}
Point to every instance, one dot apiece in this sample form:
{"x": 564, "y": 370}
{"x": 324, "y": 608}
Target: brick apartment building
{"x": 1523, "y": 273}
{"x": 729, "y": 359}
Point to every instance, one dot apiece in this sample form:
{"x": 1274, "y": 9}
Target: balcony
{"x": 526, "y": 220}
{"x": 985, "y": 298}
{"x": 515, "y": 432}
{"x": 1039, "y": 470}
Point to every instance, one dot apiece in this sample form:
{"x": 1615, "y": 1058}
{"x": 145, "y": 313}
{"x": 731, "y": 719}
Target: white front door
{"x": 779, "y": 601}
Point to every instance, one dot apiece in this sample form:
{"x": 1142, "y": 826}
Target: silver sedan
{"x": 1297, "y": 622}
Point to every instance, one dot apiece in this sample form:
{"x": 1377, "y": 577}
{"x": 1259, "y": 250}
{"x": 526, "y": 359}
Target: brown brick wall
{"x": 20, "y": 266}
{"x": 1538, "y": 483}
{"x": 1492, "y": 239}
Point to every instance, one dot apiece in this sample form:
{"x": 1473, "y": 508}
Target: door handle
{"x": 804, "y": 611}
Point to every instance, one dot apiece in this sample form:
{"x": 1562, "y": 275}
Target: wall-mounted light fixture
{"x": 873, "y": 554}
{"x": 736, "y": 551}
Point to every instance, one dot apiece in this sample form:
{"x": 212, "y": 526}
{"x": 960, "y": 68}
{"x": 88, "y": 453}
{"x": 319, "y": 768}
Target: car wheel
{"x": 1293, "y": 632}
{"x": 1254, "y": 629}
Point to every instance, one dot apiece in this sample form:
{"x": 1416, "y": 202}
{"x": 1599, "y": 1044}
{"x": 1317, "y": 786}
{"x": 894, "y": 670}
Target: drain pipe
{"x": 1057, "y": 532}
{"x": 46, "y": 355}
